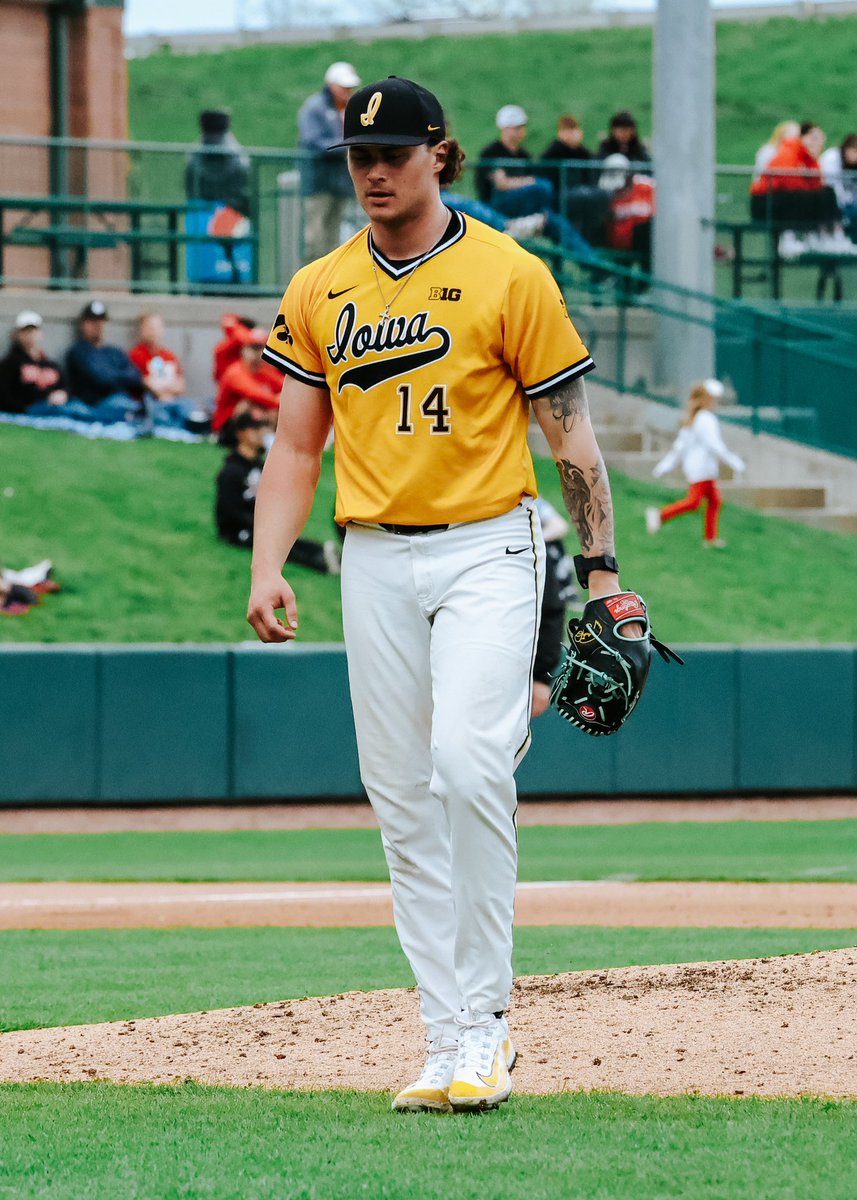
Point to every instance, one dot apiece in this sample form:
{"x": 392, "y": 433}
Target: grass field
{"x": 752, "y": 850}
{"x": 130, "y": 528}
{"x": 766, "y": 71}
{"x": 160, "y": 1143}
{"x": 58, "y": 977}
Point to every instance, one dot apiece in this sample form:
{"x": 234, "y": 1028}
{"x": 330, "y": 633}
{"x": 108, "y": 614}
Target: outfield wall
{"x": 116, "y": 724}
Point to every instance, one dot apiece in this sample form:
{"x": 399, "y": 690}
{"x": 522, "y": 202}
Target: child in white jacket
{"x": 700, "y": 449}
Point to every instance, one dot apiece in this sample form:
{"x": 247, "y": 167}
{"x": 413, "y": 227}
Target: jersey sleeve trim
{"x": 565, "y": 376}
{"x": 289, "y": 367}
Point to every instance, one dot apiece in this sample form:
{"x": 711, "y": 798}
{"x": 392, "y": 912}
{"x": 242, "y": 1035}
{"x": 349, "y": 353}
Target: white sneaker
{"x": 430, "y": 1093}
{"x": 485, "y": 1053}
{"x": 29, "y": 576}
{"x": 790, "y": 245}
{"x": 332, "y": 557}
{"x": 653, "y": 519}
{"x": 521, "y": 228}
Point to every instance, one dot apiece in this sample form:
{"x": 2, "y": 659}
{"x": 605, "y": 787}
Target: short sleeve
{"x": 540, "y": 343}
{"x": 290, "y": 344}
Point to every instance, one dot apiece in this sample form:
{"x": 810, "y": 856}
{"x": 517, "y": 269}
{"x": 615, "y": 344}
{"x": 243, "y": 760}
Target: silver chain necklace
{"x": 385, "y": 315}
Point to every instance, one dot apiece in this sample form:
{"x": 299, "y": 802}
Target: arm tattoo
{"x": 568, "y": 404}
{"x": 589, "y": 505}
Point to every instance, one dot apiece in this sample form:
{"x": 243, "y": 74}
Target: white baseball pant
{"x": 440, "y": 631}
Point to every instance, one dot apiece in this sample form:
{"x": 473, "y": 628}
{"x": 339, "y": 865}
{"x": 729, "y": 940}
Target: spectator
{"x": 785, "y": 129}
{"x": 100, "y": 375}
{"x": 791, "y": 189}
{"x": 219, "y": 170}
{"x": 325, "y": 182}
{"x": 624, "y": 138}
{"x": 512, "y": 190}
{"x": 699, "y": 449}
{"x": 248, "y": 385}
{"x": 217, "y": 180}
{"x": 16, "y": 600}
{"x": 163, "y": 376}
{"x": 235, "y": 506}
{"x": 632, "y": 209}
{"x": 30, "y": 382}
{"x": 567, "y": 146}
{"x": 516, "y": 192}
{"x": 228, "y": 349}
{"x": 559, "y": 592}
{"x": 839, "y": 171}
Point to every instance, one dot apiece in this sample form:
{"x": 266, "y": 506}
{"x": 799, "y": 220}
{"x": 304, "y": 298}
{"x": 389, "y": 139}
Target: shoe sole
{"x": 481, "y": 1103}
{"x": 418, "y": 1106}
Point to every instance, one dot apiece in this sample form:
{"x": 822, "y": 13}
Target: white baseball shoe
{"x": 430, "y": 1093}
{"x": 485, "y": 1057}
{"x": 653, "y": 519}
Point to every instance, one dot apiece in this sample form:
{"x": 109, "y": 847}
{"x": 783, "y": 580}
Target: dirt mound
{"x": 770, "y": 1026}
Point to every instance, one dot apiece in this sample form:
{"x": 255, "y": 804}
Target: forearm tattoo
{"x": 587, "y": 498}
{"x": 568, "y": 404}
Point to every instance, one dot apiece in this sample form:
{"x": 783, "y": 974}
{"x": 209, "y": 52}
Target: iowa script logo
{"x": 353, "y": 341}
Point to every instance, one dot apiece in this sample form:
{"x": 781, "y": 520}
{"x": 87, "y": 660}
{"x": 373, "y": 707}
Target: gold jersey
{"x": 431, "y": 402}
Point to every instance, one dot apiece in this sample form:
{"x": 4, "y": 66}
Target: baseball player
{"x": 425, "y": 339}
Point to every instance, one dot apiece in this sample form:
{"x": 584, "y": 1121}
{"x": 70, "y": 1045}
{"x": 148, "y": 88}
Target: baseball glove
{"x": 603, "y": 673}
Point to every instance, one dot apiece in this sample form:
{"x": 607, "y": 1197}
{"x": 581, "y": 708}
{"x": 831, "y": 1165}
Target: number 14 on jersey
{"x": 433, "y": 408}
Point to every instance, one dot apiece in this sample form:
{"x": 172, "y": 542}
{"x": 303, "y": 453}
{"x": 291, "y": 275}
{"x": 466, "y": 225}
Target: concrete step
{"x": 775, "y": 497}
{"x": 618, "y": 437}
{"x": 838, "y": 520}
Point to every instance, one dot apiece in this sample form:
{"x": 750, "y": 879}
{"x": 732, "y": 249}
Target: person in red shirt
{"x": 791, "y": 189}
{"x": 632, "y": 208}
{"x": 162, "y": 370}
{"x": 228, "y": 349}
{"x": 249, "y": 384}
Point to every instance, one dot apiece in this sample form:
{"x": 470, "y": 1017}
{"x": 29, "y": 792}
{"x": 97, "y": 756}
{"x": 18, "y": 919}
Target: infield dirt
{"x": 771, "y": 1027}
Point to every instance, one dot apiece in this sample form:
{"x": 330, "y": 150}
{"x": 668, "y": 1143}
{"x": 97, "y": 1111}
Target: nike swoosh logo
{"x": 494, "y": 1078}
{"x": 521, "y": 551}
{"x": 433, "y": 128}
{"x": 333, "y": 295}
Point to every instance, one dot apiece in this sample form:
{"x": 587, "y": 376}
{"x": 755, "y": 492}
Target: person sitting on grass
{"x": 249, "y": 384}
{"x": 235, "y": 506}
{"x": 163, "y": 375}
{"x": 228, "y": 349}
{"x": 31, "y": 383}
{"x": 101, "y": 375}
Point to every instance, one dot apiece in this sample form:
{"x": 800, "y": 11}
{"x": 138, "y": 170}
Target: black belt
{"x": 410, "y": 530}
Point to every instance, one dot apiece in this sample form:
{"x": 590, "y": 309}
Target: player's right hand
{"x": 266, "y": 598}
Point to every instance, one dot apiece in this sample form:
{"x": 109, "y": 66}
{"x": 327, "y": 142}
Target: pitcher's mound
{"x": 769, "y": 1026}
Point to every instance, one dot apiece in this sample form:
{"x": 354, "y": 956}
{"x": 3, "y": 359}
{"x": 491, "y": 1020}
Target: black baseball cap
{"x": 246, "y": 420}
{"x": 392, "y": 112}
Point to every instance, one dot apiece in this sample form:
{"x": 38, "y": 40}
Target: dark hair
{"x": 624, "y": 119}
{"x": 805, "y": 127}
{"x": 849, "y": 142}
{"x": 454, "y": 163}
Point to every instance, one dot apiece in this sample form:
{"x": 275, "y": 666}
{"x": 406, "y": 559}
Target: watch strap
{"x": 583, "y": 566}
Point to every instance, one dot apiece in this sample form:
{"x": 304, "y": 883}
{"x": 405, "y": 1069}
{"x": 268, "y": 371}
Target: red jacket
{"x": 239, "y": 383}
{"x": 629, "y": 208}
{"x": 791, "y": 156}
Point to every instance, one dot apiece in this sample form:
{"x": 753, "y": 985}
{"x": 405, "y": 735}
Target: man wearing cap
{"x": 101, "y": 375}
{"x": 425, "y": 340}
{"x": 325, "y": 182}
{"x": 30, "y": 382}
{"x": 248, "y": 384}
{"x": 516, "y": 192}
{"x": 237, "y": 485}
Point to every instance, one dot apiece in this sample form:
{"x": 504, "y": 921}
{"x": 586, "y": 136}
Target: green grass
{"x": 754, "y": 850}
{"x": 81, "y": 1142}
{"x": 80, "y": 977}
{"x": 766, "y": 71}
{"x": 130, "y": 528}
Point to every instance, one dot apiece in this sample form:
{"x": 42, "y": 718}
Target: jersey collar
{"x": 454, "y": 233}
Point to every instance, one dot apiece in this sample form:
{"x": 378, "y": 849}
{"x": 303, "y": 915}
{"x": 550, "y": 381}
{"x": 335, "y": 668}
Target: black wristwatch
{"x": 584, "y": 566}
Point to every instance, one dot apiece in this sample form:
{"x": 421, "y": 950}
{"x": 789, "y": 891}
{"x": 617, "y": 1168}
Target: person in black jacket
{"x": 624, "y": 138}
{"x": 100, "y": 375}
{"x": 28, "y": 377}
{"x": 235, "y": 506}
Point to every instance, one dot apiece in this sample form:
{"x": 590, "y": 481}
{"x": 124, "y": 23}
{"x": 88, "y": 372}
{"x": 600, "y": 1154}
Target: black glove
{"x": 603, "y": 673}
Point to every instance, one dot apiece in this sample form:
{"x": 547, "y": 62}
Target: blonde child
{"x": 699, "y": 449}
